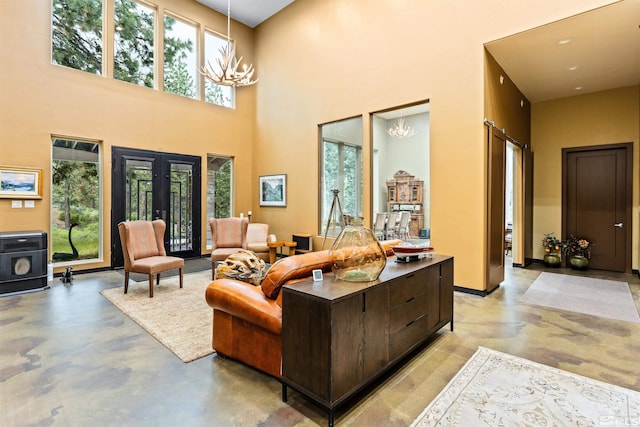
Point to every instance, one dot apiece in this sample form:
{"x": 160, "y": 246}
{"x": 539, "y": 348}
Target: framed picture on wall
{"x": 20, "y": 183}
{"x": 273, "y": 190}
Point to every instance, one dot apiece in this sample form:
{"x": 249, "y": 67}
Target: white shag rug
{"x": 180, "y": 319}
{"x": 498, "y": 389}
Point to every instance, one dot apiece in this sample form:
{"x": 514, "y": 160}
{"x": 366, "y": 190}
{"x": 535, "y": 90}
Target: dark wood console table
{"x": 339, "y": 336}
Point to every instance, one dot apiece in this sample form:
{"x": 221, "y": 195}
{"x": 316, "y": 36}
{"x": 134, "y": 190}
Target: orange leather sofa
{"x": 247, "y": 320}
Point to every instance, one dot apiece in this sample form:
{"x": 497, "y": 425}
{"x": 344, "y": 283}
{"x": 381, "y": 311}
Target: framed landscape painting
{"x": 273, "y": 190}
{"x": 20, "y": 183}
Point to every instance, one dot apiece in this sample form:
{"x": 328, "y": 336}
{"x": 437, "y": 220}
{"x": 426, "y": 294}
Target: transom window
{"x": 216, "y": 94}
{"x": 77, "y": 28}
{"x": 133, "y": 43}
{"x": 180, "y": 57}
{"x": 76, "y": 34}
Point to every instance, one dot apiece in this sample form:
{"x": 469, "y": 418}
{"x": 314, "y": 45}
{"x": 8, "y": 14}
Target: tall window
{"x": 133, "y": 43}
{"x": 219, "y": 185}
{"x": 216, "y": 94}
{"x": 180, "y": 58}
{"x": 341, "y": 168}
{"x": 75, "y": 200}
{"x": 77, "y": 34}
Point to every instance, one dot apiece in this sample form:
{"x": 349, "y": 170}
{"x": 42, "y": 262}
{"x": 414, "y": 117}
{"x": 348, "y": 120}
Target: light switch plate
{"x": 29, "y": 204}
{"x": 16, "y": 204}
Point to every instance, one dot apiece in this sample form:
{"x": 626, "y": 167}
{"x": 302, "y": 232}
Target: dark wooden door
{"x": 527, "y": 203}
{"x": 495, "y": 206}
{"x": 148, "y": 185}
{"x": 597, "y": 196}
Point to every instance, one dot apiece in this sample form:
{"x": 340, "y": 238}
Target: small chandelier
{"x": 400, "y": 130}
{"x": 226, "y": 73}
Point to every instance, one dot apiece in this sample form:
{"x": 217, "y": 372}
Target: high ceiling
{"x": 249, "y": 12}
{"x": 602, "y": 52}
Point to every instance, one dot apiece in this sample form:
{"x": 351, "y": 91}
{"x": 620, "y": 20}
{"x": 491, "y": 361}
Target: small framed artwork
{"x": 273, "y": 190}
{"x": 20, "y": 183}
{"x": 317, "y": 275}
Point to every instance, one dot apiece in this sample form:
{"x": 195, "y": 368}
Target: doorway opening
{"x": 509, "y": 204}
{"x": 400, "y": 140}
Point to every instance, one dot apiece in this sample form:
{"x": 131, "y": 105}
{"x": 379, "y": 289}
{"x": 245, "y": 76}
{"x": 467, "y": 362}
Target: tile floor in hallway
{"x": 68, "y": 357}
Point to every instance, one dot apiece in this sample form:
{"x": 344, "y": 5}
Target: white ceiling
{"x": 604, "y": 46}
{"x": 249, "y": 12}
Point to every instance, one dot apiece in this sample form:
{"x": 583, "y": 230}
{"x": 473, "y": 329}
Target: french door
{"x": 150, "y": 185}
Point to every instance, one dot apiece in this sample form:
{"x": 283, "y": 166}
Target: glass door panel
{"x": 181, "y": 200}
{"x": 139, "y": 190}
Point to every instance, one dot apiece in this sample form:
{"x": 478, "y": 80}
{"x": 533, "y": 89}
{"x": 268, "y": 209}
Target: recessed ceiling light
{"x": 565, "y": 40}
{"x": 578, "y": 88}
{"x": 573, "y": 68}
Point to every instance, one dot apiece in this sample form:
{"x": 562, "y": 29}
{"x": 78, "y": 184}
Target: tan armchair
{"x": 228, "y": 236}
{"x": 143, "y": 250}
{"x": 257, "y": 238}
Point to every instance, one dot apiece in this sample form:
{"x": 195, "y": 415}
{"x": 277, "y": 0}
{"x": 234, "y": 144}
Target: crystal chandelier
{"x": 400, "y": 130}
{"x": 226, "y": 73}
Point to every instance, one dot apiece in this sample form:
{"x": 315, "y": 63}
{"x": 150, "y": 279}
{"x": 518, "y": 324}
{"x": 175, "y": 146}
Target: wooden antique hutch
{"x": 404, "y": 193}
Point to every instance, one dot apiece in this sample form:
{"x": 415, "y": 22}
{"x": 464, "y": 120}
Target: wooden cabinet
{"x": 405, "y": 193}
{"x": 339, "y": 336}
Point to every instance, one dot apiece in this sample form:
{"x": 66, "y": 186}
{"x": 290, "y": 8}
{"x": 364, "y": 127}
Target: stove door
{"x": 22, "y": 265}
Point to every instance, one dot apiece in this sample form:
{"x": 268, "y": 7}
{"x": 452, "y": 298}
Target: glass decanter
{"x": 356, "y": 255}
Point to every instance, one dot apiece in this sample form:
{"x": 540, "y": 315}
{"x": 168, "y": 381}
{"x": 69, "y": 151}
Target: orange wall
{"x": 39, "y": 99}
{"x": 324, "y": 60}
{"x": 607, "y": 117}
{"x": 318, "y": 61}
{"x": 510, "y": 110}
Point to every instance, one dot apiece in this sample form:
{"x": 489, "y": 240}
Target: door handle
{"x": 619, "y": 225}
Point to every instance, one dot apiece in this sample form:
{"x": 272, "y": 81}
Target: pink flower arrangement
{"x": 575, "y": 246}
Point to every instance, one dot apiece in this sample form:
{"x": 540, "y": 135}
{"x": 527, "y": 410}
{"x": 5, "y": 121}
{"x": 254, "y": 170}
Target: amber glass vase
{"x": 356, "y": 255}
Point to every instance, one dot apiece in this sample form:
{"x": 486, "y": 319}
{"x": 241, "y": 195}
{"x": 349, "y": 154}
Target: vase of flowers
{"x": 578, "y": 250}
{"x": 552, "y": 247}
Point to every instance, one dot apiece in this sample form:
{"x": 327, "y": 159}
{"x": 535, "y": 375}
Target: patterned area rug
{"x": 180, "y": 319}
{"x": 497, "y": 389}
{"x": 597, "y": 297}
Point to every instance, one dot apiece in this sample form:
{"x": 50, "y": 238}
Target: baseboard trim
{"x": 472, "y": 291}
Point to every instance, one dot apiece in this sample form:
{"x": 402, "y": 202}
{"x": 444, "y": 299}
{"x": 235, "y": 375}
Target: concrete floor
{"x": 68, "y": 357}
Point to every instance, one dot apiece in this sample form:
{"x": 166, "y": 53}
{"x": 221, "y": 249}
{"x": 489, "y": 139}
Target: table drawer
{"x": 405, "y": 338}
{"x": 404, "y": 288}
{"x": 403, "y": 314}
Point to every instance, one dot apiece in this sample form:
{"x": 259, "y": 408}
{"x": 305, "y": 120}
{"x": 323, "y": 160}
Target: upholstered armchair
{"x": 257, "y": 238}
{"x": 228, "y": 236}
{"x": 143, "y": 250}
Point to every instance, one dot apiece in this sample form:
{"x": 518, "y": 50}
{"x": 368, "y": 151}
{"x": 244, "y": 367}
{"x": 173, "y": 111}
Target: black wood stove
{"x": 23, "y": 261}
